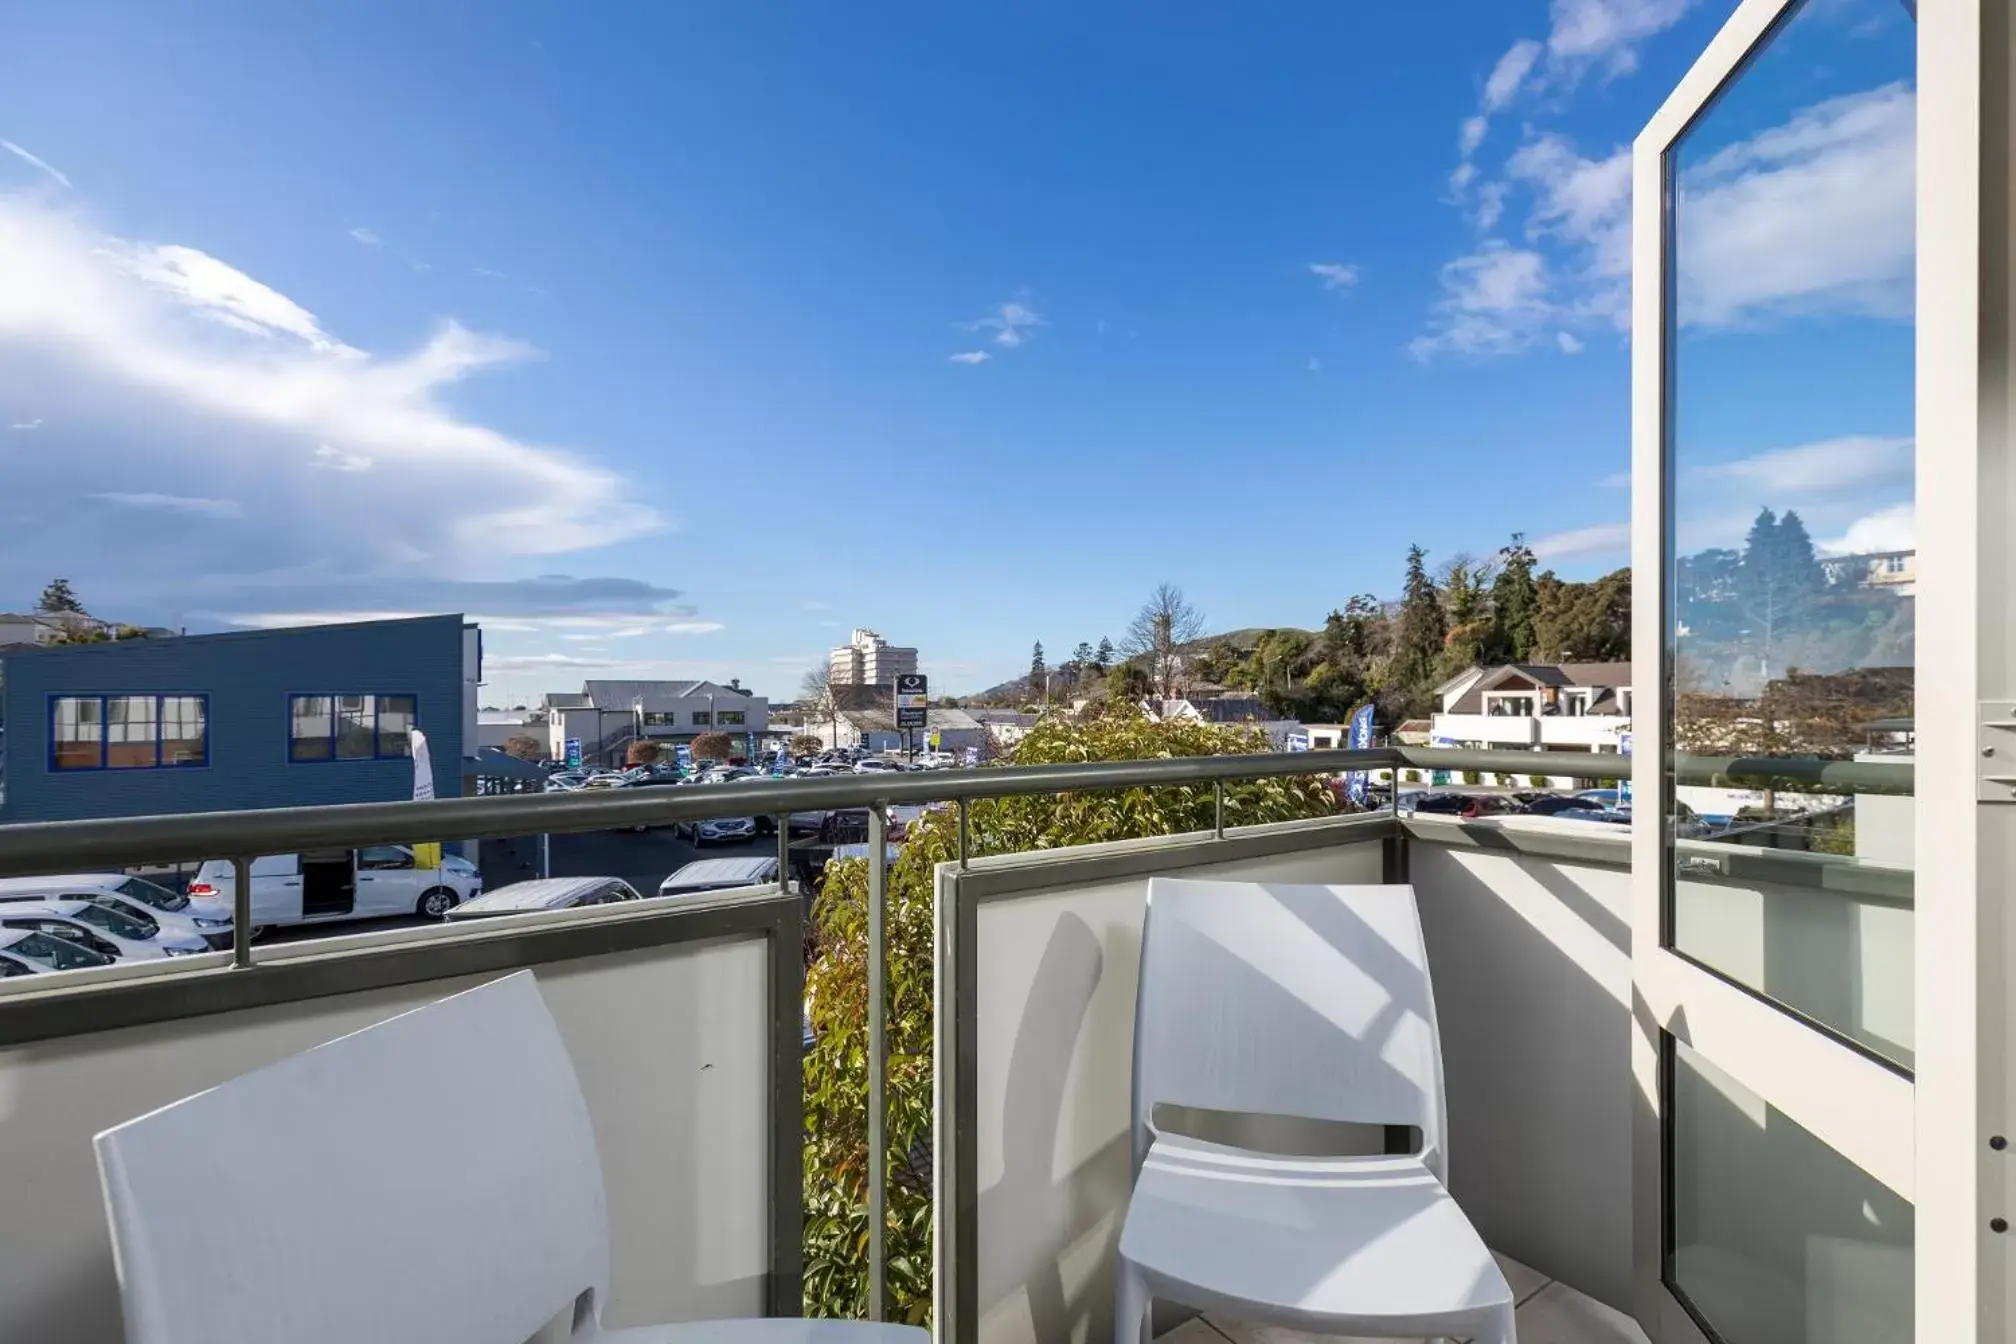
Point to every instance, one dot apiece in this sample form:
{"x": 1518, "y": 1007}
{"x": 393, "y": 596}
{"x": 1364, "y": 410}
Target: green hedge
{"x": 836, "y": 1068}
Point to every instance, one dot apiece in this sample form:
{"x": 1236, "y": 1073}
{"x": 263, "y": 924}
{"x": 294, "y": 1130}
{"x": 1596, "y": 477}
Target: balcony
{"x": 1593, "y": 732}
{"x": 683, "y": 1019}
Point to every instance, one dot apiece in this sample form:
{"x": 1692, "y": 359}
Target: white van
{"x": 204, "y": 916}
{"x": 375, "y": 882}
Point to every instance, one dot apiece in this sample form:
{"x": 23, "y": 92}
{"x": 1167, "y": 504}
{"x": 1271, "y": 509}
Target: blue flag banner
{"x": 1357, "y": 783}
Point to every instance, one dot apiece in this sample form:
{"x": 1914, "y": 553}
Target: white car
{"x": 207, "y": 917}
{"x": 546, "y": 893}
{"x": 107, "y": 931}
{"x": 719, "y": 830}
{"x": 871, "y": 764}
{"x": 375, "y": 882}
{"x": 720, "y": 875}
{"x": 27, "y": 952}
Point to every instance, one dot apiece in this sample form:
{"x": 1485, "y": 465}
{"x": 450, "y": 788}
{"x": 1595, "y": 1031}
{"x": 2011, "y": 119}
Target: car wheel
{"x": 435, "y": 903}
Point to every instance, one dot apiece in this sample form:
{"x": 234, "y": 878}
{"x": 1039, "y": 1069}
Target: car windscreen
{"x": 56, "y": 953}
{"x": 141, "y": 890}
{"x": 119, "y": 921}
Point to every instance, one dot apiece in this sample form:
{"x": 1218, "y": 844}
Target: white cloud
{"x": 33, "y": 161}
{"x": 1462, "y": 177}
{"x": 206, "y": 508}
{"x": 366, "y": 236}
{"x": 1569, "y": 345}
{"x": 1506, "y": 77}
{"x": 1618, "y": 480}
{"x": 331, "y": 458}
{"x": 1605, "y": 539}
{"x": 1333, "y": 274}
{"x": 487, "y": 273}
{"x": 815, "y": 606}
{"x": 1490, "y": 204}
{"x": 694, "y": 628}
{"x": 544, "y": 662}
{"x": 24, "y": 426}
{"x": 1813, "y": 216}
{"x": 1470, "y": 135}
{"x": 1315, "y": 365}
{"x": 1493, "y": 301}
{"x": 1891, "y": 529}
{"x": 971, "y": 357}
{"x": 1013, "y": 323}
{"x": 160, "y": 356}
{"x": 1855, "y": 464}
{"x": 1607, "y": 31}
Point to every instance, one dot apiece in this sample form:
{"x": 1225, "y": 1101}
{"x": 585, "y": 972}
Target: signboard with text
{"x": 573, "y": 753}
{"x": 912, "y": 699}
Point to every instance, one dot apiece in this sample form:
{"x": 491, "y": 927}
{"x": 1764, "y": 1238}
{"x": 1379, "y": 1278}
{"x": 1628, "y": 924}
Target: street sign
{"x": 573, "y": 753}
{"x": 912, "y": 698}
{"x": 1624, "y": 777}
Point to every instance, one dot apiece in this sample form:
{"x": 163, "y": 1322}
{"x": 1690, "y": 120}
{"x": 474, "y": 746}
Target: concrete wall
{"x": 248, "y": 678}
{"x": 672, "y": 1047}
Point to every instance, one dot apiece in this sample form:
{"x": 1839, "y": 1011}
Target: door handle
{"x": 293, "y": 883}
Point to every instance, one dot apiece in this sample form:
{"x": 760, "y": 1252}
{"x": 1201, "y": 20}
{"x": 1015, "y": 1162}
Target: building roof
{"x": 883, "y": 719}
{"x": 541, "y": 893}
{"x": 1603, "y": 678}
{"x": 1007, "y": 718}
{"x": 656, "y": 694}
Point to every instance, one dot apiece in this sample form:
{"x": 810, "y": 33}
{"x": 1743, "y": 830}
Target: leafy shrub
{"x": 1504, "y": 781}
{"x": 1537, "y": 781}
{"x": 1472, "y": 777}
{"x": 836, "y": 1068}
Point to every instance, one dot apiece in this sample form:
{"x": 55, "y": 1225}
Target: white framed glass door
{"x": 1775, "y": 915}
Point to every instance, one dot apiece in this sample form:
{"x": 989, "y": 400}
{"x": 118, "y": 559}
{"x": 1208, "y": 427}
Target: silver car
{"x": 719, "y": 830}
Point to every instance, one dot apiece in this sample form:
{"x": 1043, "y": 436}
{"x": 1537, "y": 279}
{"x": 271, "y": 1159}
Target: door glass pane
{"x": 1775, "y": 1237}
{"x": 356, "y": 728}
{"x": 1790, "y": 561}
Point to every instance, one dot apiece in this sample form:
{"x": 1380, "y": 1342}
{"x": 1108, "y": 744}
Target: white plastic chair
{"x": 431, "y": 1178}
{"x": 1312, "y": 1002}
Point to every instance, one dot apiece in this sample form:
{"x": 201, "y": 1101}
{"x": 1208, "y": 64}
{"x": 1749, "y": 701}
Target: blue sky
{"x": 634, "y": 330}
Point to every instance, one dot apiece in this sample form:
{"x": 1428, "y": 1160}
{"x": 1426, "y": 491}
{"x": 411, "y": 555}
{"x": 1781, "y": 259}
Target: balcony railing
{"x": 721, "y": 978}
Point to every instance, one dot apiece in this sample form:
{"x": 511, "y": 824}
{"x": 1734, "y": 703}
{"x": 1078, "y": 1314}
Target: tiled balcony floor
{"x": 1549, "y": 1313}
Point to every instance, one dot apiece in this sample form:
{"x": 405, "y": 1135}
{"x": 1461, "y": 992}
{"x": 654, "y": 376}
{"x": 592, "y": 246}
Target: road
{"x": 641, "y": 858}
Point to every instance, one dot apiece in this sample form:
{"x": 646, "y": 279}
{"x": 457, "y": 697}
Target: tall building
{"x": 867, "y": 659}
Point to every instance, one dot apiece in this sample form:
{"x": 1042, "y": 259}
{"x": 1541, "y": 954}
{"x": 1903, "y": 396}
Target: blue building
{"x": 263, "y": 718}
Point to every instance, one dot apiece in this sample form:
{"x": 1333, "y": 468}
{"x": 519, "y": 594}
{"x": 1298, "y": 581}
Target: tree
{"x": 58, "y": 596}
{"x": 1584, "y": 622}
{"x": 1102, "y": 657}
{"x": 641, "y": 752}
{"x": 1515, "y": 603}
{"x": 1164, "y": 624}
{"x": 1130, "y": 682}
{"x": 804, "y": 744}
{"x": 1417, "y": 642}
{"x": 1777, "y": 583}
{"x": 1084, "y": 655}
{"x": 713, "y": 747}
{"x": 524, "y": 747}
{"x": 1471, "y": 620}
{"x": 836, "y": 1066}
{"x": 1039, "y": 676}
{"x": 816, "y": 699}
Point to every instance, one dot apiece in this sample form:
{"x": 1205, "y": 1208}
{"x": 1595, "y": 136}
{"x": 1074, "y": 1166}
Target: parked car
{"x": 106, "y": 931}
{"x": 1468, "y": 806}
{"x": 1606, "y": 815}
{"x": 545, "y": 893}
{"x": 370, "y": 883}
{"x": 868, "y": 765}
{"x": 720, "y": 875}
{"x": 28, "y": 952}
{"x": 718, "y": 830}
{"x": 206, "y": 917}
{"x": 1556, "y": 804}
{"x": 1610, "y": 798}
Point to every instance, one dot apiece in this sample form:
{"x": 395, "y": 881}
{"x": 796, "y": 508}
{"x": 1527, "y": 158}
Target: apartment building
{"x": 867, "y": 659}
{"x": 1552, "y": 706}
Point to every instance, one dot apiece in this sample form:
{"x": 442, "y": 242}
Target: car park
{"x": 29, "y": 952}
{"x": 206, "y": 917}
{"x": 107, "y": 931}
{"x": 545, "y": 893}
{"x": 720, "y": 875}
{"x": 370, "y": 883}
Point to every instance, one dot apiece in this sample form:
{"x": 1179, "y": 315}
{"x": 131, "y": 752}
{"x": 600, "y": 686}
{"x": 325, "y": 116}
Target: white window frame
{"x": 1922, "y": 1137}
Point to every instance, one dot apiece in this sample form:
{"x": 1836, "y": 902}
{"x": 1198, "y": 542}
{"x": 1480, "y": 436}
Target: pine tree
{"x": 1083, "y": 655}
{"x": 1515, "y": 604}
{"x": 58, "y": 596}
{"x": 1038, "y": 674}
{"x": 1417, "y": 644}
{"x": 1102, "y": 657}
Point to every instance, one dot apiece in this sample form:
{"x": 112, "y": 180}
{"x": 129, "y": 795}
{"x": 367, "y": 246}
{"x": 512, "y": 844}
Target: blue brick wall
{"x": 248, "y": 677}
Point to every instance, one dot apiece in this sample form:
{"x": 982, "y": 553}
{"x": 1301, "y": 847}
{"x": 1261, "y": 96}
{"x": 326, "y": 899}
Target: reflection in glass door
{"x": 1773, "y": 939}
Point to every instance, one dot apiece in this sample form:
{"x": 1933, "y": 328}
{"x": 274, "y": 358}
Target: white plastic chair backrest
{"x": 431, "y": 1177}
{"x": 1273, "y": 999}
